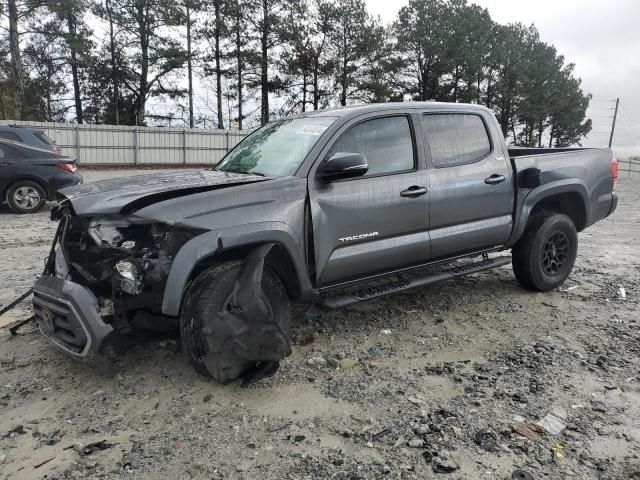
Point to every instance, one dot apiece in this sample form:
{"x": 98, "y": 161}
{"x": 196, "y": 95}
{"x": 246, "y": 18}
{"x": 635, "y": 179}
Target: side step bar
{"x": 368, "y": 293}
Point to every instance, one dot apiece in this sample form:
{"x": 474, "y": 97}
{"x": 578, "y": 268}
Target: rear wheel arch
{"x": 571, "y": 204}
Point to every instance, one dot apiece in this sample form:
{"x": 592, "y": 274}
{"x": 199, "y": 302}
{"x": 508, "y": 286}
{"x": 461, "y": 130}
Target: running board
{"x": 368, "y": 293}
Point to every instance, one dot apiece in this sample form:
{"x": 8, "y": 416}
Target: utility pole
{"x": 613, "y": 125}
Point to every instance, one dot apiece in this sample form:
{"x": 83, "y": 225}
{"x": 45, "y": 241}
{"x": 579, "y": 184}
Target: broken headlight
{"x": 131, "y": 282}
{"x": 129, "y": 254}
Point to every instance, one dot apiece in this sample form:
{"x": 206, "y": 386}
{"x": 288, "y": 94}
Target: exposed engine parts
{"x": 122, "y": 261}
{"x": 120, "y": 267}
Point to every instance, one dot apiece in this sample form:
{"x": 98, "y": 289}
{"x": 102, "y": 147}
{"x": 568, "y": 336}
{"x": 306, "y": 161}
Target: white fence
{"x": 629, "y": 168}
{"x": 127, "y": 145}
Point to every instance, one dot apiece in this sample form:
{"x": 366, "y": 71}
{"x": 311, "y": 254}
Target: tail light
{"x": 69, "y": 167}
{"x": 614, "y": 172}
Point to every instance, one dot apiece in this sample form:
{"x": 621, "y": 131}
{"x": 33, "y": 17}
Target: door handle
{"x": 414, "y": 191}
{"x": 494, "y": 179}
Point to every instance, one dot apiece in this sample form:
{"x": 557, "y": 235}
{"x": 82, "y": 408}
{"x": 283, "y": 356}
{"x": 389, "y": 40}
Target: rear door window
{"x": 10, "y": 136}
{"x": 43, "y": 137}
{"x": 456, "y": 139}
{"x": 386, "y": 143}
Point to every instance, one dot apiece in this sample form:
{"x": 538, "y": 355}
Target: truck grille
{"x": 58, "y": 322}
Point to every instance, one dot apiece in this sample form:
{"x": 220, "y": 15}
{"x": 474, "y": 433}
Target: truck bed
{"x": 528, "y": 151}
{"x": 589, "y": 168}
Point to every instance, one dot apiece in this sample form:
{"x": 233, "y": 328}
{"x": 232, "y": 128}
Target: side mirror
{"x": 342, "y": 165}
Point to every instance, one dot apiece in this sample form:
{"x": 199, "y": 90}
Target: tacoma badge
{"x": 362, "y": 236}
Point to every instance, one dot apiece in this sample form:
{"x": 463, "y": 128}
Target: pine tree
{"x": 215, "y": 34}
{"x": 152, "y": 54}
{"x": 356, "y": 40}
{"x": 266, "y": 17}
{"x": 61, "y": 25}
{"x": 424, "y": 37}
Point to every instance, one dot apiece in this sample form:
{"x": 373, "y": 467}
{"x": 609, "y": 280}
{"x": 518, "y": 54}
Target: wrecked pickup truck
{"x": 335, "y": 207}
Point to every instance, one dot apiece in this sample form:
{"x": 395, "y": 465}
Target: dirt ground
{"x": 442, "y": 382}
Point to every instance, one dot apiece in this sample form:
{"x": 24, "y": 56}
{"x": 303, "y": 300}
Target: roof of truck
{"x": 381, "y": 107}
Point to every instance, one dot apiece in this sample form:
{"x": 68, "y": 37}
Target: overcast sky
{"x": 601, "y": 37}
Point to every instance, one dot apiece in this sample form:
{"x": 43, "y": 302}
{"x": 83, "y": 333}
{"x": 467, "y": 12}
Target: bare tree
{"x": 187, "y": 5}
{"x": 114, "y": 64}
{"x": 16, "y": 62}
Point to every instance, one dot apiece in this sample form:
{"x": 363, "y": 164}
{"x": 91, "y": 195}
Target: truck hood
{"x": 127, "y": 194}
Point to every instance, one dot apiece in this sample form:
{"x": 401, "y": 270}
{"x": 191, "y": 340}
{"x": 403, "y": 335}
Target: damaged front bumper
{"x": 103, "y": 277}
{"x": 68, "y": 315}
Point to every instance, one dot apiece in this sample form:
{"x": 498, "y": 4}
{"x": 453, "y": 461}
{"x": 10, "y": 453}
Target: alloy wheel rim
{"x": 555, "y": 253}
{"x": 27, "y": 198}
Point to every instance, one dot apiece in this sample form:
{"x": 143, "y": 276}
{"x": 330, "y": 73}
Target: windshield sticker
{"x": 315, "y": 130}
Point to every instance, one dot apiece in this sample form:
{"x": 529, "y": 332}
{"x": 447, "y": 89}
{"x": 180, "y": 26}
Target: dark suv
{"x": 29, "y": 176}
{"x": 28, "y": 136}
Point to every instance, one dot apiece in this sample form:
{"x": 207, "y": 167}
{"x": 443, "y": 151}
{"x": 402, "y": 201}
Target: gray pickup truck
{"x": 335, "y": 207}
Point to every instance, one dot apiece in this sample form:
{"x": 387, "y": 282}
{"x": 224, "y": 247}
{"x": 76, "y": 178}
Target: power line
{"x": 626, "y": 138}
{"x": 631, "y": 115}
{"x": 629, "y": 130}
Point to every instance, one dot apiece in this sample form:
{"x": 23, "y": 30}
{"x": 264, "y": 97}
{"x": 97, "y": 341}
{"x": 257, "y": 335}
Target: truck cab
{"x": 439, "y": 183}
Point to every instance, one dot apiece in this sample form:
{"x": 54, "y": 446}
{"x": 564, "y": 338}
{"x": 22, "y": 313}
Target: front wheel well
{"x": 278, "y": 259}
{"x": 571, "y": 204}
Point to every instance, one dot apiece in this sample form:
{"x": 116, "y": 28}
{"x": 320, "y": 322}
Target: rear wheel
{"x": 210, "y": 344}
{"x": 544, "y": 257}
{"x": 26, "y": 196}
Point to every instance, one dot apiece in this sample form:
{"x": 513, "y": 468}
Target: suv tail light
{"x": 69, "y": 167}
{"x": 614, "y": 172}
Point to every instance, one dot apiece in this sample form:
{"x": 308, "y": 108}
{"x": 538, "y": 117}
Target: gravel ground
{"x": 441, "y": 382}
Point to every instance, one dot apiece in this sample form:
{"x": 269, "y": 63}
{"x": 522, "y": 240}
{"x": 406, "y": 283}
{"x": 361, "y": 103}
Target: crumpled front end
{"x": 69, "y": 315}
{"x": 104, "y": 276}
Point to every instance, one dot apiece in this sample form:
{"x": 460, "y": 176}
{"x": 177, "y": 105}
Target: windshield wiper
{"x": 246, "y": 172}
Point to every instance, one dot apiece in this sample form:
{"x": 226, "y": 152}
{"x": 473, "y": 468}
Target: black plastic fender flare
{"x": 211, "y": 243}
{"x": 534, "y": 196}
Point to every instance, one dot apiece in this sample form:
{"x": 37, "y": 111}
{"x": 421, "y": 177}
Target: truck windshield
{"x": 277, "y": 149}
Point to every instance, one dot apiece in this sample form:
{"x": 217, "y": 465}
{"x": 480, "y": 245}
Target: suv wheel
{"x": 543, "y": 258}
{"x": 26, "y": 196}
{"x": 209, "y": 340}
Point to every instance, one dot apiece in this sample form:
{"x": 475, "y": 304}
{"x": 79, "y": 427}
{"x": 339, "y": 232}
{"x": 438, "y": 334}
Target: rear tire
{"x": 26, "y": 196}
{"x": 544, "y": 257}
{"x": 211, "y": 354}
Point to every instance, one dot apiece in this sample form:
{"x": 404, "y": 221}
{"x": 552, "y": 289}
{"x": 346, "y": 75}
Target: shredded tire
{"x": 212, "y": 353}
